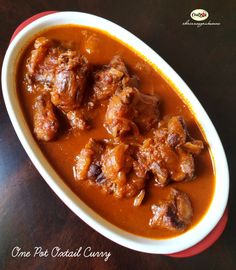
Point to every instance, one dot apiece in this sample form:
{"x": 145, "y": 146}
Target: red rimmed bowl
{"x": 180, "y": 243}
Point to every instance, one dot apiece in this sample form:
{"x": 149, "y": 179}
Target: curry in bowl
{"x": 116, "y": 130}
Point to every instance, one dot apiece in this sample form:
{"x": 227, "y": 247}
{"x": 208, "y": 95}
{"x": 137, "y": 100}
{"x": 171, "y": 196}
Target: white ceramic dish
{"x": 167, "y": 246}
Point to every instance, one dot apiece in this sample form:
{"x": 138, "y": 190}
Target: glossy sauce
{"x": 61, "y": 152}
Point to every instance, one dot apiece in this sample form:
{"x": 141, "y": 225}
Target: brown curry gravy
{"x": 61, "y": 152}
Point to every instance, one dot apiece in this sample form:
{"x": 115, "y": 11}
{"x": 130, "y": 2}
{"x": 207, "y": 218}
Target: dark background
{"x": 32, "y": 215}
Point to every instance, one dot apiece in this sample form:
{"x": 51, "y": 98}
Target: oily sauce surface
{"x": 61, "y": 152}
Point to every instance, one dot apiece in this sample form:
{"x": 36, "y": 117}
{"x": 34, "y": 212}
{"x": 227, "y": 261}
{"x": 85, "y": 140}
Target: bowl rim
{"x": 156, "y": 246}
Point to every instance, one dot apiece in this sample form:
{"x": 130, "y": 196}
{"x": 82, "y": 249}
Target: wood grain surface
{"x": 32, "y": 215}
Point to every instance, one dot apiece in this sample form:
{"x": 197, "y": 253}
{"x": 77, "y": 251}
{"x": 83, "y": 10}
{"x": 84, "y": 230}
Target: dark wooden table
{"x": 32, "y": 215}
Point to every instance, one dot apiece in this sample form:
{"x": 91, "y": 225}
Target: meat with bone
{"x": 45, "y": 121}
{"x": 110, "y": 166}
{"x": 130, "y": 111}
{"x": 69, "y": 81}
{"x": 61, "y": 72}
{"x": 173, "y": 214}
{"x": 42, "y": 64}
{"x": 109, "y": 78}
{"x": 168, "y": 154}
{"x": 88, "y": 162}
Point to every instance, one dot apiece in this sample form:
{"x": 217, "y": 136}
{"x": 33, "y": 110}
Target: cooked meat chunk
{"x": 110, "y": 166}
{"x": 77, "y": 120}
{"x": 150, "y": 161}
{"x": 116, "y": 159}
{"x": 42, "y": 63}
{"x": 186, "y": 164}
{"x": 70, "y": 81}
{"x": 168, "y": 155}
{"x": 109, "y": 78}
{"x": 62, "y": 72}
{"x": 117, "y": 166}
{"x": 176, "y": 131}
{"x": 129, "y": 110}
{"x": 41, "y": 47}
{"x": 117, "y": 118}
{"x": 173, "y": 214}
{"x": 88, "y": 161}
{"x": 45, "y": 121}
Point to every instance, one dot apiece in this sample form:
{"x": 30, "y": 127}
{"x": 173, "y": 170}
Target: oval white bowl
{"x": 166, "y": 246}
